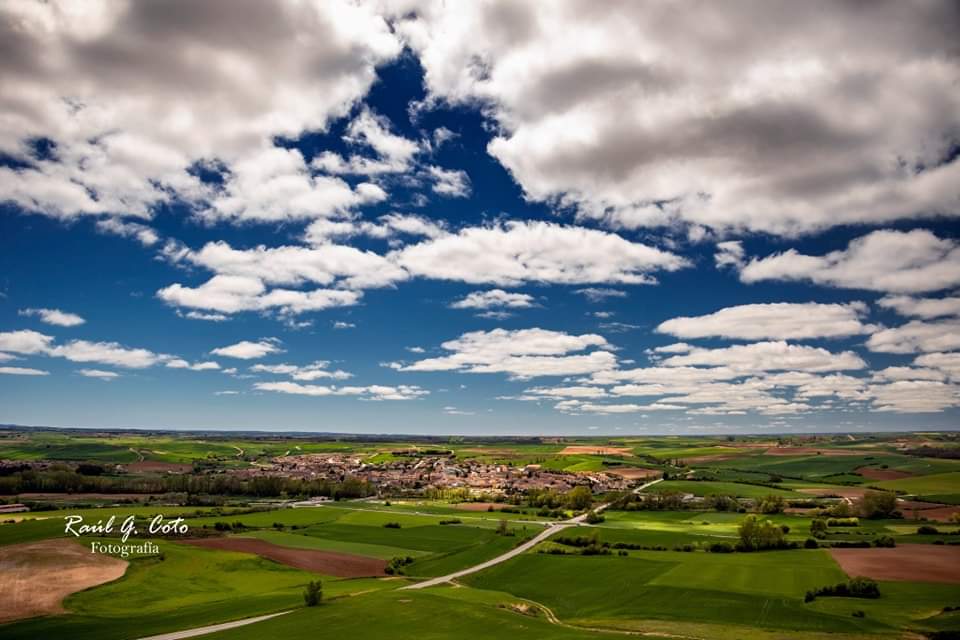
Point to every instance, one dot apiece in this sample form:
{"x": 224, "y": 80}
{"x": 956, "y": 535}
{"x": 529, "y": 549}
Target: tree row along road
{"x": 551, "y": 529}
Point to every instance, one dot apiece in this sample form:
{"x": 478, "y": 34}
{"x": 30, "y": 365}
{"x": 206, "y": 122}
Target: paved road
{"x": 551, "y": 529}
{"x": 201, "y": 631}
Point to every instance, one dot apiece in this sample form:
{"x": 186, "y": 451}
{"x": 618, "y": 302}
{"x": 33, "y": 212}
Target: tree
{"x": 772, "y": 504}
{"x": 313, "y": 594}
{"x": 502, "y": 528}
{"x": 579, "y": 498}
{"x": 818, "y": 528}
{"x": 757, "y": 534}
{"x": 878, "y": 504}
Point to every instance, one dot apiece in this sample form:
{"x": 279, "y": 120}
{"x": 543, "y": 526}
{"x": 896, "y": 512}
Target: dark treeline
{"x": 57, "y": 481}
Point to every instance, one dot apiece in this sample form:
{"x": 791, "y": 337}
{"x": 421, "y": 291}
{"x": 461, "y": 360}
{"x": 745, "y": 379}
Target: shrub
{"x": 313, "y": 594}
{"x": 811, "y": 543}
{"x": 927, "y": 530}
{"x": 878, "y": 504}
{"x": 594, "y": 518}
{"x": 757, "y": 535}
{"x": 772, "y": 504}
{"x": 818, "y": 528}
{"x": 391, "y": 525}
{"x": 396, "y": 565}
{"x": 854, "y": 588}
{"x": 885, "y": 541}
{"x": 721, "y": 547}
{"x": 452, "y": 521}
{"x": 843, "y": 522}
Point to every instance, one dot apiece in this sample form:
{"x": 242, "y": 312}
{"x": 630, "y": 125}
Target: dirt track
{"x": 35, "y": 577}
{"x": 909, "y": 562}
{"x": 343, "y": 565}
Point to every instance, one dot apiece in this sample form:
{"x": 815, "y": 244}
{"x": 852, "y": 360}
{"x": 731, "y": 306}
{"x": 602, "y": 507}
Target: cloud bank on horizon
{"x": 619, "y": 217}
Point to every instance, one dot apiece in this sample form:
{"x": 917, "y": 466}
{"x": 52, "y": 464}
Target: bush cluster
{"x": 853, "y": 588}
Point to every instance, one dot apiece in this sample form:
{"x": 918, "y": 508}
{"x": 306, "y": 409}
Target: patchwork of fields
{"x": 633, "y": 568}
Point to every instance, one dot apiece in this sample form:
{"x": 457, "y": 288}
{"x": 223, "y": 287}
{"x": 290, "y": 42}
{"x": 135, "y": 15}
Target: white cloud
{"x": 340, "y": 324}
{"x": 729, "y": 254}
{"x": 523, "y": 353}
{"x": 909, "y": 373}
{"x": 22, "y": 371}
{"x": 779, "y": 321}
{"x": 600, "y": 294}
{"x": 751, "y": 116}
{"x": 948, "y": 363}
{"x": 249, "y": 350}
{"x": 915, "y": 396}
{"x": 54, "y": 317}
{"x": 179, "y": 363}
{"x": 25, "y": 341}
{"x": 305, "y": 373}
{"x": 140, "y": 232}
{"x": 388, "y": 227}
{"x": 231, "y": 294}
{"x": 372, "y": 392}
{"x": 100, "y": 374}
{"x": 111, "y": 353}
{"x": 32, "y": 342}
{"x": 916, "y": 336}
{"x": 891, "y": 261}
{"x": 133, "y": 97}
{"x": 494, "y": 298}
{"x": 922, "y": 307}
{"x": 769, "y": 356}
{"x": 394, "y": 153}
{"x": 209, "y": 317}
{"x": 517, "y": 252}
{"x": 449, "y": 183}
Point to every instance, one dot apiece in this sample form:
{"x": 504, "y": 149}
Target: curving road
{"x": 202, "y": 631}
{"x": 551, "y": 529}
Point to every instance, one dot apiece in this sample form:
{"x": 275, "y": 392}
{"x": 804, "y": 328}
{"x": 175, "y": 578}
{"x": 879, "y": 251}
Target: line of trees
{"x": 67, "y": 481}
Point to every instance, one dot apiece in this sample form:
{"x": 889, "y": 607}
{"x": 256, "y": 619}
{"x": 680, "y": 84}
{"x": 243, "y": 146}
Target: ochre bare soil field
{"x": 35, "y": 577}
{"x": 331, "y": 563}
{"x": 909, "y": 562}
{"x": 579, "y": 449}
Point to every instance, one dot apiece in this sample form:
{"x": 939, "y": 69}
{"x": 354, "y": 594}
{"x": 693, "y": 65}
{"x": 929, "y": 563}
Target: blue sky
{"x": 405, "y": 218}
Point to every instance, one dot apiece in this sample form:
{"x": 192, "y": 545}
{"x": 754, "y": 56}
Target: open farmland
{"x": 636, "y": 566}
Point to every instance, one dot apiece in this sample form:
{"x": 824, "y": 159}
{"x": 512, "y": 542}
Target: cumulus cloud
{"x": 31, "y": 342}
{"x": 100, "y": 374}
{"x": 494, "y": 298}
{"x": 22, "y": 371}
{"x": 600, "y": 294}
{"x": 917, "y": 336}
{"x": 54, "y": 317}
{"x": 386, "y": 227}
{"x": 948, "y": 363}
{"x": 133, "y": 96}
{"x": 769, "y": 356}
{"x": 394, "y": 153}
{"x": 448, "y": 182}
{"x": 249, "y": 350}
{"x": 304, "y": 373}
{"x": 915, "y": 396}
{"x": 891, "y": 261}
{"x": 179, "y": 363}
{"x": 751, "y": 116}
{"x": 778, "y": 321}
{"x": 140, "y": 232}
{"x": 922, "y": 307}
{"x": 523, "y": 353}
{"x": 516, "y": 252}
{"x": 372, "y": 392}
